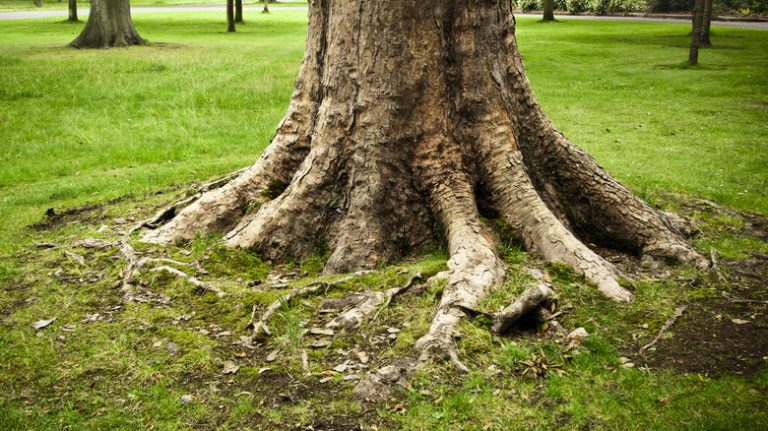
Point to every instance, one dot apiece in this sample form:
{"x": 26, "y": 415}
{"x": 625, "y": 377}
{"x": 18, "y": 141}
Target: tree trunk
{"x": 230, "y": 16}
{"x": 408, "y": 116}
{"x": 239, "y": 11}
{"x": 549, "y": 10}
{"x": 696, "y": 29}
{"x": 266, "y": 7}
{"x": 72, "y": 11}
{"x": 109, "y": 25}
{"x": 704, "y": 41}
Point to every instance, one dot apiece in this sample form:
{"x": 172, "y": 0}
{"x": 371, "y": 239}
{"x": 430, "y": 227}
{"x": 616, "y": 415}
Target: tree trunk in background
{"x": 109, "y": 25}
{"x": 696, "y": 27}
{"x": 409, "y": 117}
{"x": 72, "y": 11}
{"x": 266, "y": 7}
{"x": 239, "y": 11}
{"x": 704, "y": 41}
{"x": 549, "y": 10}
{"x": 230, "y": 16}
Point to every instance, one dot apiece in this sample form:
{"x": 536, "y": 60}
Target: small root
{"x": 192, "y": 280}
{"x": 260, "y": 328}
{"x": 369, "y": 306}
{"x": 532, "y": 297}
{"x": 668, "y": 324}
{"x": 715, "y": 266}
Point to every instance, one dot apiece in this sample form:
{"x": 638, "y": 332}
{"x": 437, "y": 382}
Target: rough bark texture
{"x": 704, "y": 40}
{"x": 72, "y": 7}
{"x": 230, "y": 16}
{"x": 696, "y": 31}
{"x": 406, "y": 118}
{"x": 109, "y": 25}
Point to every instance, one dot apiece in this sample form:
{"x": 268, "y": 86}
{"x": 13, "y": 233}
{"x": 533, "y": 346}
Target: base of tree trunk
{"x": 410, "y": 122}
{"x": 109, "y": 26}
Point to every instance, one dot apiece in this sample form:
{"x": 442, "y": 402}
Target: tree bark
{"x": 230, "y": 16}
{"x": 696, "y": 31}
{"x": 109, "y": 25}
{"x": 549, "y": 10}
{"x": 72, "y": 11}
{"x": 239, "y": 11}
{"x": 266, "y": 7}
{"x": 704, "y": 41}
{"x": 407, "y": 120}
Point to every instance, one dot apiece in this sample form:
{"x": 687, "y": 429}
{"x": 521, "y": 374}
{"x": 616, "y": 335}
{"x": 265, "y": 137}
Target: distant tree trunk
{"x": 239, "y": 11}
{"x": 696, "y": 26}
{"x": 109, "y": 25}
{"x": 72, "y": 11}
{"x": 549, "y": 10}
{"x": 38, "y": 3}
{"x": 230, "y": 16}
{"x": 704, "y": 40}
{"x": 266, "y": 7}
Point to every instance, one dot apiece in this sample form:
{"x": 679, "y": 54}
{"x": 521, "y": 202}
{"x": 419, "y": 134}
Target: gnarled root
{"x": 474, "y": 269}
{"x": 366, "y": 307}
{"x": 531, "y": 299}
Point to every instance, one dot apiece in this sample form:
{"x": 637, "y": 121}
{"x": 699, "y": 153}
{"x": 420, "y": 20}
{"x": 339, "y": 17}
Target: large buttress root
{"x": 220, "y": 209}
{"x": 474, "y": 268}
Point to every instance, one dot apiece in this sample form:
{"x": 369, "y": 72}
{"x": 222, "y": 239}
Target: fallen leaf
{"x": 230, "y": 368}
{"x": 740, "y": 321}
{"x": 264, "y": 370}
{"x": 40, "y": 324}
{"x": 273, "y": 355}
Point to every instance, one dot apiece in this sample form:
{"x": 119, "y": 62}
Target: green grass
{"x": 89, "y": 127}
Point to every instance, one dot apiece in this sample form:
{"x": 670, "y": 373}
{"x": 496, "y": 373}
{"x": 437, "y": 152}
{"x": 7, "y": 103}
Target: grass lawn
{"x": 112, "y": 134}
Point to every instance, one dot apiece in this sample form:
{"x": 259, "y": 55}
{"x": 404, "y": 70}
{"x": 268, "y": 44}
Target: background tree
{"x": 266, "y": 7}
{"x": 407, "y": 116}
{"x": 549, "y": 10}
{"x": 239, "y": 11}
{"x": 697, "y": 25}
{"x": 230, "y": 16}
{"x": 72, "y": 6}
{"x": 704, "y": 41}
{"x": 109, "y": 25}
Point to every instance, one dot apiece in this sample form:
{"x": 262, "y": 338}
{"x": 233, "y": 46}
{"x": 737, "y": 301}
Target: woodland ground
{"x": 106, "y": 137}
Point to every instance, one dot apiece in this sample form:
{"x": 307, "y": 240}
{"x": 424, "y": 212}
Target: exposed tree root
{"x": 532, "y": 297}
{"x": 170, "y": 211}
{"x": 368, "y": 305}
{"x": 192, "y": 280}
{"x": 474, "y": 270}
{"x": 260, "y": 328}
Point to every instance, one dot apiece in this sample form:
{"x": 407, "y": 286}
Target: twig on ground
{"x": 668, "y": 324}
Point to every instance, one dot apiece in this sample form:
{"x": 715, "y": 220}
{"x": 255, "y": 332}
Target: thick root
{"x": 531, "y": 299}
{"x": 474, "y": 270}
